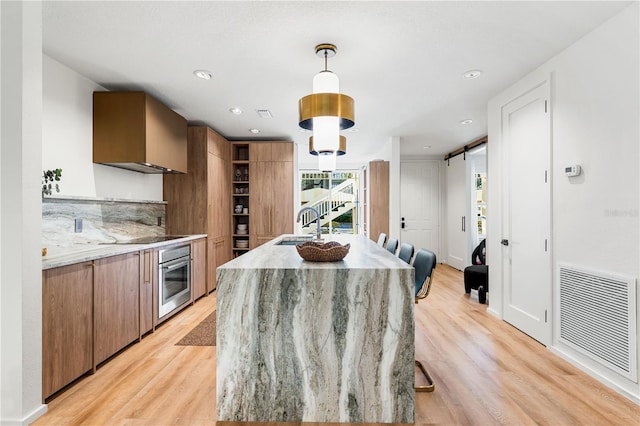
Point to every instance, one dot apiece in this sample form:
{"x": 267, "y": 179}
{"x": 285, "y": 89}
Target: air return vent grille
{"x": 598, "y": 317}
{"x": 264, "y": 113}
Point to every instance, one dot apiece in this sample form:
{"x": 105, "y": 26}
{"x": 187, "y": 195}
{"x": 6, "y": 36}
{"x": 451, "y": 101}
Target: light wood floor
{"x": 486, "y": 373}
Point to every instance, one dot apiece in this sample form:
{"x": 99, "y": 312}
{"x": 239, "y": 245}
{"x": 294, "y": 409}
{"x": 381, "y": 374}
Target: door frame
{"x": 441, "y": 208}
{"x": 495, "y": 193}
{"x": 532, "y": 320}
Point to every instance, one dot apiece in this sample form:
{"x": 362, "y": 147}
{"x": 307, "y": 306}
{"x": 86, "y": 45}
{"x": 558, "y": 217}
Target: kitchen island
{"x": 315, "y": 342}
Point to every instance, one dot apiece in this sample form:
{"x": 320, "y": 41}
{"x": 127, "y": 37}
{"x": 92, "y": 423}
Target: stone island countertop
{"x": 315, "y": 342}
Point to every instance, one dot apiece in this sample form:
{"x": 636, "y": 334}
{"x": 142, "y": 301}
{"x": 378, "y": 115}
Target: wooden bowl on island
{"x": 322, "y": 252}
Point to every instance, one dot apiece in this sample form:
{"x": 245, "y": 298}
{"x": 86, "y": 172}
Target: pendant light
{"x": 326, "y": 111}
{"x": 342, "y": 146}
{"x": 327, "y": 163}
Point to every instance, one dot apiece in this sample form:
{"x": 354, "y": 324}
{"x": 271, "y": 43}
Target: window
{"x": 336, "y": 198}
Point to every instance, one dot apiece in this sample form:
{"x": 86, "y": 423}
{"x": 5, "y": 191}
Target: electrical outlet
{"x": 159, "y": 220}
{"x": 78, "y": 225}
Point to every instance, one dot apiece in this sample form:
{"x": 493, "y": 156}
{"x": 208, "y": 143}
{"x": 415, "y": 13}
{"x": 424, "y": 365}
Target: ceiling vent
{"x": 264, "y": 113}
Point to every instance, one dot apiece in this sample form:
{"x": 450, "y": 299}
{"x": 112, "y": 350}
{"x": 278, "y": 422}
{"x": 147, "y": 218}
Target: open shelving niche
{"x": 240, "y": 194}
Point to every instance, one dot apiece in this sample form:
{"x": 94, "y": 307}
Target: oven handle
{"x": 175, "y": 265}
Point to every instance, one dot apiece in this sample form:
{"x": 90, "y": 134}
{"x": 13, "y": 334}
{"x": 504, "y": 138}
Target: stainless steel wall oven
{"x": 174, "y": 278}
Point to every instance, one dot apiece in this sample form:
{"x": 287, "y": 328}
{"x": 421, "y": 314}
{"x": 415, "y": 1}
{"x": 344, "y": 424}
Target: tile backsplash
{"x": 103, "y": 220}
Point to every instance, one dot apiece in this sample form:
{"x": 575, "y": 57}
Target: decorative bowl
{"x": 322, "y": 252}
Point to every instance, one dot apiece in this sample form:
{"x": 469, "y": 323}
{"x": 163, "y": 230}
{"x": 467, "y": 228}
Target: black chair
{"x": 382, "y": 238}
{"x": 476, "y": 276}
{"x": 424, "y": 263}
{"x": 406, "y": 252}
{"x": 392, "y": 245}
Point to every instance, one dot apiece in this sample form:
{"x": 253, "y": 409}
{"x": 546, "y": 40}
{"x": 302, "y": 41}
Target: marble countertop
{"x": 363, "y": 254}
{"x": 63, "y": 256}
{"x": 301, "y": 341}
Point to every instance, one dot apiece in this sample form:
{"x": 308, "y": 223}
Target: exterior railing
{"x": 331, "y": 205}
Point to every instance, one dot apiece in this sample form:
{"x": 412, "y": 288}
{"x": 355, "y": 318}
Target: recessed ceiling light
{"x": 472, "y": 74}
{"x": 426, "y": 147}
{"x": 203, "y": 74}
{"x": 235, "y": 110}
{"x": 254, "y": 131}
{"x": 467, "y": 121}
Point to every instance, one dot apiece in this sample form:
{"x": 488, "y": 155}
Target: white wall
{"x": 595, "y": 108}
{"x": 67, "y": 140}
{"x": 20, "y": 217}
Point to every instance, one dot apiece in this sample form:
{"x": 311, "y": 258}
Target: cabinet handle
{"x": 149, "y": 264}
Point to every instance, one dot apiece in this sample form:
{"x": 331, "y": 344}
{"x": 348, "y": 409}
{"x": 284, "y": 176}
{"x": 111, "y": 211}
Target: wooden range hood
{"x": 133, "y": 131}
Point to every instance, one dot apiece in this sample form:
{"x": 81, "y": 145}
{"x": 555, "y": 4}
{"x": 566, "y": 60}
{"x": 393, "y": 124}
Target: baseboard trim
{"x": 494, "y": 312}
{"x": 30, "y": 418}
{"x": 595, "y": 374}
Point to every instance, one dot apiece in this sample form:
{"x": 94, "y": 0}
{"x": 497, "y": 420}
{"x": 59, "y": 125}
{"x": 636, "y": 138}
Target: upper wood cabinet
{"x": 271, "y": 151}
{"x": 199, "y": 202}
{"x": 67, "y": 325}
{"x": 134, "y": 131}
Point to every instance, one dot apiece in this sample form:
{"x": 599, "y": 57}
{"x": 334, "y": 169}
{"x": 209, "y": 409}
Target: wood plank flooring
{"x": 486, "y": 373}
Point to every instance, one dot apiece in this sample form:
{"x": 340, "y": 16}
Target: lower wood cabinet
{"x": 219, "y": 253}
{"x": 148, "y": 285}
{"x": 92, "y": 310}
{"x": 67, "y": 325}
{"x": 116, "y": 304}
{"x": 199, "y": 268}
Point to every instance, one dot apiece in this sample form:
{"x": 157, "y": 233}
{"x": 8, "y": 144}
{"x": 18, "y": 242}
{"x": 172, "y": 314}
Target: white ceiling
{"x": 402, "y": 62}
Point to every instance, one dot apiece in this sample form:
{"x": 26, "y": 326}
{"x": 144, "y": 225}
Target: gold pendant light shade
{"x": 326, "y": 111}
{"x": 326, "y": 105}
{"x": 342, "y": 149}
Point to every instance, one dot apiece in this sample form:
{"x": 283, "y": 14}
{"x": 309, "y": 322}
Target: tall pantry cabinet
{"x": 272, "y": 187}
{"x": 199, "y": 202}
{"x": 378, "y": 198}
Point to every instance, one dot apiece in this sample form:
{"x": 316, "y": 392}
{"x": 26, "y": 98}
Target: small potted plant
{"x": 50, "y": 179}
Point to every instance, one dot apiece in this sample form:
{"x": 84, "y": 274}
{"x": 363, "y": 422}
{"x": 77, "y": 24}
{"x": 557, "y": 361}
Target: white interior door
{"x": 420, "y": 204}
{"x": 526, "y": 130}
{"x": 457, "y": 212}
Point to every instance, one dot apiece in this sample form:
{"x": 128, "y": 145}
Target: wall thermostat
{"x": 572, "y": 170}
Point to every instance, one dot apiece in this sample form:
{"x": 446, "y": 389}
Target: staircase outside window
{"x": 335, "y": 196}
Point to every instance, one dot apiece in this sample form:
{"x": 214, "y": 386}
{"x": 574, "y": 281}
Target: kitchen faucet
{"x": 318, "y": 230}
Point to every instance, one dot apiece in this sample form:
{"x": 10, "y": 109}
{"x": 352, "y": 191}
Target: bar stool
{"x": 406, "y": 252}
{"x": 392, "y": 245}
{"x": 424, "y": 263}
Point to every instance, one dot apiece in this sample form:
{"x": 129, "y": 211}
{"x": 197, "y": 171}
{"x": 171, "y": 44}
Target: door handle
{"x": 463, "y": 224}
{"x": 504, "y": 242}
